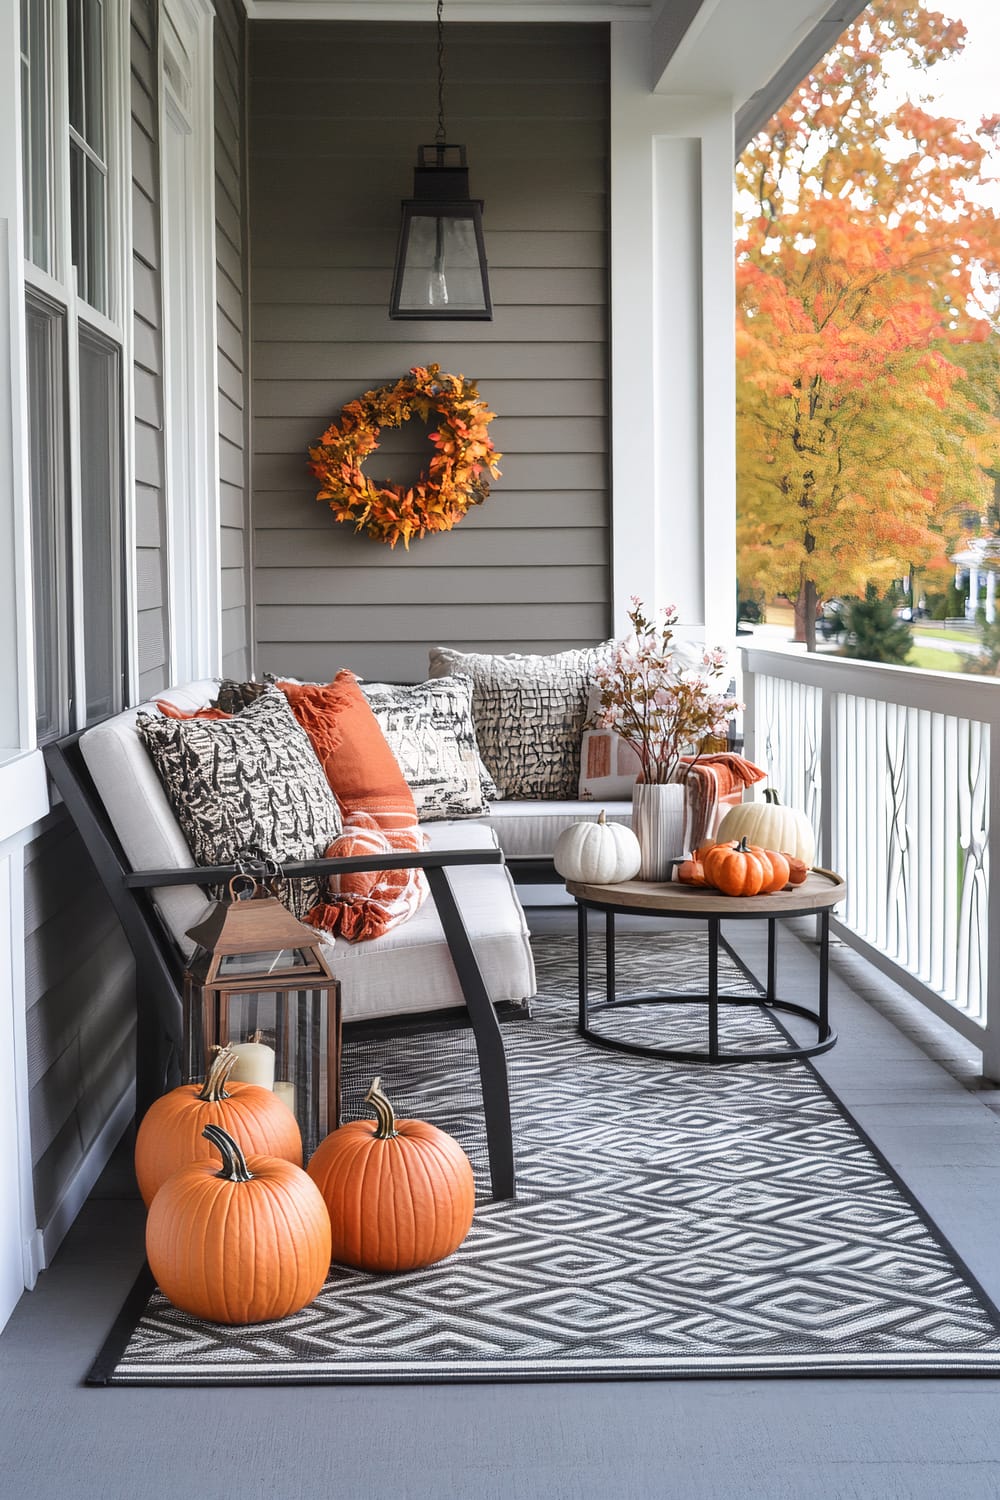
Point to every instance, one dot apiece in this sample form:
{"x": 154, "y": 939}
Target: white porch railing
{"x": 894, "y": 768}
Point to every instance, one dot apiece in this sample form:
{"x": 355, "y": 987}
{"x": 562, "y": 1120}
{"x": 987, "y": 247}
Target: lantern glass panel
{"x": 233, "y": 965}
{"x": 295, "y": 1025}
{"x": 442, "y": 270}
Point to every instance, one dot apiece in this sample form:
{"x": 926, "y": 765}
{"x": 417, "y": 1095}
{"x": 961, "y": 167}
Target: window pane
{"x": 35, "y": 131}
{"x": 78, "y": 211}
{"x": 88, "y": 179}
{"x": 101, "y": 504}
{"x": 96, "y": 290}
{"x": 76, "y": 64}
{"x": 93, "y": 84}
{"x": 49, "y": 518}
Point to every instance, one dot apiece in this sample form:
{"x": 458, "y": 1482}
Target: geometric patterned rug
{"x": 672, "y": 1220}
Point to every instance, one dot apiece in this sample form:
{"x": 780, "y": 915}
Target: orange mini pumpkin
{"x": 245, "y": 1245}
{"x": 172, "y": 1131}
{"x": 400, "y": 1193}
{"x": 736, "y": 869}
{"x": 797, "y": 869}
{"x": 690, "y": 872}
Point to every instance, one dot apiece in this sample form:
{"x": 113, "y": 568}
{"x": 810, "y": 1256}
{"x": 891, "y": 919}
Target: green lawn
{"x": 921, "y": 632}
{"x": 933, "y": 660}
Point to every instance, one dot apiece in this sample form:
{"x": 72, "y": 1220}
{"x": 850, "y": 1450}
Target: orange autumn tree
{"x": 866, "y": 279}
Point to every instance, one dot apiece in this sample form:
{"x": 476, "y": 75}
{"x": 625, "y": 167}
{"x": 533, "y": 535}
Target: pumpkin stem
{"x": 386, "y": 1128}
{"x": 234, "y": 1163}
{"x": 214, "y": 1087}
{"x": 602, "y": 819}
{"x": 742, "y": 847}
{"x": 771, "y": 797}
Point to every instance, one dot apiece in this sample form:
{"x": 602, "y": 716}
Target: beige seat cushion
{"x": 410, "y": 970}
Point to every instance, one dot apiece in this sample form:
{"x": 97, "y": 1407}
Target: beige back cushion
{"x": 136, "y": 803}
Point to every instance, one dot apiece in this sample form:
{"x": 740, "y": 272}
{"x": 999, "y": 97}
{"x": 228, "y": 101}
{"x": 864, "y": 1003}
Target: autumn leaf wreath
{"x": 456, "y": 478}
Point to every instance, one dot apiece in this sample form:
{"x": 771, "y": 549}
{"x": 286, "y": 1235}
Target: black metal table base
{"x": 766, "y": 1000}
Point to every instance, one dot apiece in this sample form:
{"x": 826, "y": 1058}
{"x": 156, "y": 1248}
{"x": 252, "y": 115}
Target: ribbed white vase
{"x": 658, "y": 816}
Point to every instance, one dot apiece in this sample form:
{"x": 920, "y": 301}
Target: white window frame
{"x": 190, "y": 353}
{"x": 59, "y": 287}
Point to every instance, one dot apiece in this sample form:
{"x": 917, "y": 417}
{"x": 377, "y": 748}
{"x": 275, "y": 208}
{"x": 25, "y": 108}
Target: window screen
{"x": 50, "y": 519}
{"x": 100, "y": 504}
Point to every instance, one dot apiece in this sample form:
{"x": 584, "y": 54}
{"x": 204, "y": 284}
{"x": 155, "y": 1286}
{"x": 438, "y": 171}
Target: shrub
{"x": 873, "y": 631}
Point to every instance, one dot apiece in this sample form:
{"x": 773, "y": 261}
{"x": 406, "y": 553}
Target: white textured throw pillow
{"x": 529, "y": 713}
{"x": 430, "y": 732}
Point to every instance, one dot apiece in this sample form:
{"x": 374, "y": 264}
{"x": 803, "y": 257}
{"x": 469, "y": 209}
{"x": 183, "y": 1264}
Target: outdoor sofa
{"x": 465, "y": 949}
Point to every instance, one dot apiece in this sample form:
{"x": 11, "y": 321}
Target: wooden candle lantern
{"x": 259, "y": 979}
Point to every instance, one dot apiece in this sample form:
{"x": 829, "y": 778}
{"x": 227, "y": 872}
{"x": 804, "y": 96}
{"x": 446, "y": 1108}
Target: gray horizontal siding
{"x": 513, "y": 286}
{"x": 352, "y": 248}
{"x": 383, "y": 360}
{"x": 280, "y": 514}
{"x": 231, "y": 272}
{"x": 529, "y": 570}
{"x": 406, "y": 661}
{"x": 80, "y": 1006}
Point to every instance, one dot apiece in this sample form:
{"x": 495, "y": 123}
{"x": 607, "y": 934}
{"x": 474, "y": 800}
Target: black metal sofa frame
{"x": 159, "y": 966}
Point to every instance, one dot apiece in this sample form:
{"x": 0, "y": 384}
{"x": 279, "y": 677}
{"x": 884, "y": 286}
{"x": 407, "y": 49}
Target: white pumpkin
{"x": 600, "y": 853}
{"x": 771, "y": 826}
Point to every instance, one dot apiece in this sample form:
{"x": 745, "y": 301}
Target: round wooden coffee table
{"x": 816, "y": 896}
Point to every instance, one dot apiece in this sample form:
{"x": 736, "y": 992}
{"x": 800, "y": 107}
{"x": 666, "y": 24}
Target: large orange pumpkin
{"x": 736, "y": 869}
{"x": 245, "y": 1245}
{"x": 400, "y": 1192}
{"x": 172, "y": 1131}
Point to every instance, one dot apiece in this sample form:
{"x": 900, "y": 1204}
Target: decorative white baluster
{"x": 894, "y": 769}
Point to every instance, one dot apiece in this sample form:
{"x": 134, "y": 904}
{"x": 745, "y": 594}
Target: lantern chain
{"x": 440, "y": 135}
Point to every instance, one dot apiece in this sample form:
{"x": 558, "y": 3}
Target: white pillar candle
{"x": 286, "y": 1093}
{"x": 254, "y": 1062}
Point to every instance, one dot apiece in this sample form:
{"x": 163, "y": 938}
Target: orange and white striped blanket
{"x": 367, "y": 903}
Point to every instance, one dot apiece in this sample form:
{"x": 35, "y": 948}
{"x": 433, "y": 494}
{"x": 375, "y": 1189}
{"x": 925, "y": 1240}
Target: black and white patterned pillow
{"x": 529, "y": 713}
{"x": 430, "y": 732}
{"x": 234, "y": 696}
{"x": 250, "y": 781}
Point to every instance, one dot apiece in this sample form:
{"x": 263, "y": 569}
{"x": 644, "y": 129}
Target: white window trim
{"x": 193, "y": 500}
{"x": 18, "y": 717}
{"x": 116, "y": 326}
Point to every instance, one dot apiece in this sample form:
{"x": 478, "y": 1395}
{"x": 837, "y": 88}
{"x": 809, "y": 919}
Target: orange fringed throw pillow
{"x": 169, "y": 711}
{"x": 368, "y": 903}
{"x": 353, "y": 751}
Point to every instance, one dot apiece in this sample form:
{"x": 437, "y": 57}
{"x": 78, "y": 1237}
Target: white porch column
{"x": 672, "y": 345}
{"x": 973, "y": 599}
{"x": 991, "y": 594}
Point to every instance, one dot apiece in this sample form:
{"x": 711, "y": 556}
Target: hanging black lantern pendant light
{"x": 441, "y": 256}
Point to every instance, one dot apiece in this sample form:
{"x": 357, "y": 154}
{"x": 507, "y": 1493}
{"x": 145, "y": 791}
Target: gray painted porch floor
{"x": 912, "y": 1085}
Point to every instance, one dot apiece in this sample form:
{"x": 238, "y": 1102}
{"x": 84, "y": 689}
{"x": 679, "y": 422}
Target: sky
{"x": 967, "y": 87}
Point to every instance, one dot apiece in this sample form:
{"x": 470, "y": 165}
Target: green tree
{"x": 866, "y": 276}
{"x": 873, "y": 631}
{"x": 987, "y": 663}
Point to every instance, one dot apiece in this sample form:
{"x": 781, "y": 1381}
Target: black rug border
{"x": 886, "y": 1165}
{"x": 101, "y": 1373}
